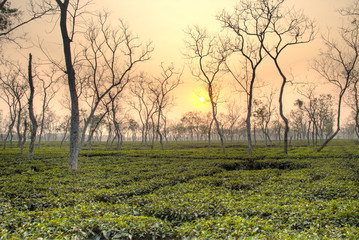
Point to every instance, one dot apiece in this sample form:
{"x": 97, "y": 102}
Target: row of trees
{"x": 312, "y": 120}
{"x": 266, "y": 29}
{"x": 102, "y": 61}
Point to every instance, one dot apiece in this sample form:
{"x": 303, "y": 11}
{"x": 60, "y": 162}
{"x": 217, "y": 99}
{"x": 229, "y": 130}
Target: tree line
{"x": 100, "y": 70}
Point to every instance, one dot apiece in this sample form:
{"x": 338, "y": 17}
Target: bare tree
{"x": 233, "y": 114}
{"x": 64, "y": 126}
{"x": 23, "y": 135}
{"x": 211, "y": 54}
{"x": 277, "y": 127}
{"x": 263, "y": 112}
{"x": 339, "y": 62}
{"x": 69, "y": 11}
{"x": 96, "y": 121}
{"x": 13, "y": 91}
{"x": 144, "y": 105}
{"x": 49, "y": 90}
{"x": 207, "y": 126}
{"x": 193, "y": 123}
{"x": 31, "y": 110}
{"x": 111, "y": 55}
{"x": 248, "y": 23}
{"x": 353, "y": 12}
{"x": 325, "y": 115}
{"x": 118, "y": 121}
{"x": 353, "y": 102}
{"x": 161, "y": 87}
{"x": 287, "y": 28}
{"x": 298, "y": 120}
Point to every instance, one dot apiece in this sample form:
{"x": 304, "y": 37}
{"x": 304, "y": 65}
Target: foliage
{"x": 189, "y": 193}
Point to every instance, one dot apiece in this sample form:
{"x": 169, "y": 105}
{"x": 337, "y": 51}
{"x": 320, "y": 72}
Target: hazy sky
{"x": 164, "y": 22}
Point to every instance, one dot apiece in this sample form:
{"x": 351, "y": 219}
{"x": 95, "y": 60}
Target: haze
{"x": 164, "y": 22}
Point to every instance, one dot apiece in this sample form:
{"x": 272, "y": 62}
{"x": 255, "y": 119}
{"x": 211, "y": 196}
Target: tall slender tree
{"x": 339, "y": 62}
{"x": 31, "y": 110}
{"x": 248, "y": 23}
{"x": 111, "y": 55}
{"x": 67, "y": 39}
{"x": 210, "y": 54}
{"x": 287, "y": 29}
{"x": 161, "y": 89}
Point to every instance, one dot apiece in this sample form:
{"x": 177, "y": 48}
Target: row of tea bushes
{"x": 181, "y": 194}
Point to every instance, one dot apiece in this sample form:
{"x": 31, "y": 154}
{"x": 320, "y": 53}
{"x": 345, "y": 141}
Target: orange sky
{"x": 164, "y": 22}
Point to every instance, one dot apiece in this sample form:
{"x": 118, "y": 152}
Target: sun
{"x": 202, "y": 99}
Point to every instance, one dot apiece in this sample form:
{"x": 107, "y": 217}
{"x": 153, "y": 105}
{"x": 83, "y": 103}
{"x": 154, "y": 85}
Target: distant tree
{"x": 263, "y": 113}
{"x": 325, "y": 115}
{"x": 13, "y": 88}
{"x": 143, "y": 104}
{"x": 277, "y": 127}
{"x": 210, "y": 53}
{"x": 48, "y": 82}
{"x": 207, "y": 127}
{"x": 191, "y": 122}
{"x": 353, "y": 103}
{"x": 117, "y": 119}
{"x": 111, "y": 54}
{"x": 178, "y": 131}
{"x": 64, "y": 127}
{"x": 161, "y": 87}
{"x": 133, "y": 127}
{"x": 232, "y": 116}
{"x": 298, "y": 120}
{"x": 339, "y": 62}
{"x": 310, "y": 108}
{"x": 23, "y": 134}
{"x": 96, "y": 122}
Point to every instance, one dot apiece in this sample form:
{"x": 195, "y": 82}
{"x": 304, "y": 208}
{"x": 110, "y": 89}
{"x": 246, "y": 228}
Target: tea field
{"x": 186, "y": 192}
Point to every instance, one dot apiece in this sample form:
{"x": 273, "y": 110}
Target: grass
{"x": 185, "y": 192}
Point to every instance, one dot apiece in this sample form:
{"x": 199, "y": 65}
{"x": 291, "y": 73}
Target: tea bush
{"x": 181, "y": 193}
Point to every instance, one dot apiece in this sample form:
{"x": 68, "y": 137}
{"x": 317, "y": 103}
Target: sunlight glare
{"x": 202, "y": 99}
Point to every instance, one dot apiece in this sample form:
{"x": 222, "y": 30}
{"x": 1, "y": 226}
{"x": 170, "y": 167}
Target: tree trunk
{"x": 356, "y": 108}
{"x": 23, "y": 138}
{"x": 109, "y": 136}
{"x": 63, "y": 139}
{"x": 209, "y": 133}
{"x": 249, "y": 113}
{"x": 89, "y": 139}
{"x": 214, "y": 114}
{"x": 18, "y": 124}
{"x": 146, "y": 134}
{"x": 84, "y": 129}
{"x": 120, "y": 142}
{"x": 31, "y": 111}
{"x": 42, "y": 120}
{"x": 41, "y": 130}
{"x": 158, "y": 128}
{"x": 75, "y": 115}
{"x": 281, "y": 113}
{"x": 153, "y": 133}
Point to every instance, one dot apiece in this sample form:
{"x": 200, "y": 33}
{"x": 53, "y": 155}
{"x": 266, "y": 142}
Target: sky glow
{"x": 164, "y": 21}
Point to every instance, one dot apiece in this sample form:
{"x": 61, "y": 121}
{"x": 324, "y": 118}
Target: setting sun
{"x": 202, "y": 99}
